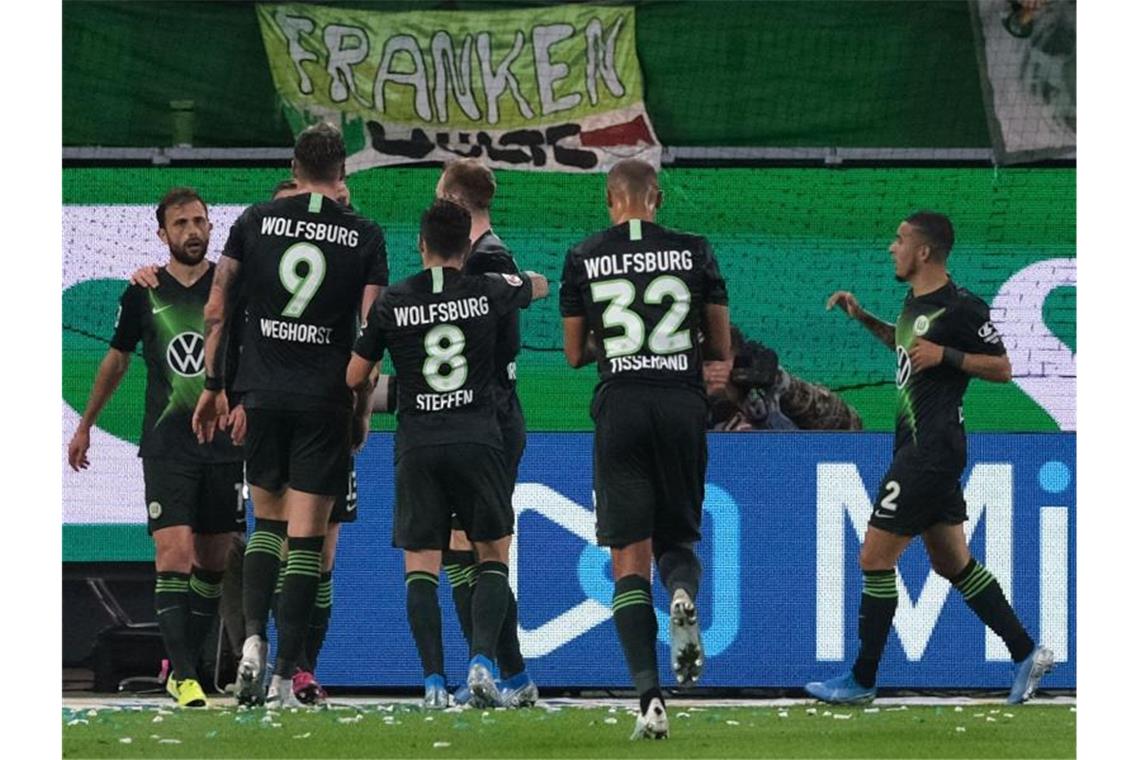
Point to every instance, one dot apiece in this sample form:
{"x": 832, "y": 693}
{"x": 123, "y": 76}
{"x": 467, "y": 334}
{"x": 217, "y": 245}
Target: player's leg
{"x": 220, "y": 517}
{"x": 170, "y": 494}
{"x": 460, "y": 564}
{"x": 517, "y": 688}
{"x": 478, "y": 483}
{"x": 626, "y": 512}
{"x": 950, "y": 557}
{"x": 680, "y": 457}
{"x": 267, "y": 472}
{"x": 308, "y": 522}
{"x": 421, "y": 581}
{"x": 420, "y": 527}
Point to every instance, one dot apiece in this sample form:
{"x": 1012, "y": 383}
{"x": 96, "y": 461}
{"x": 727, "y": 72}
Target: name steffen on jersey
{"x": 316, "y": 231}
{"x": 638, "y": 262}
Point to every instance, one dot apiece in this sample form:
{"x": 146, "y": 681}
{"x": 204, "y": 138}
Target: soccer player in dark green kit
{"x": 943, "y": 337}
{"x": 644, "y": 295}
{"x": 193, "y": 492}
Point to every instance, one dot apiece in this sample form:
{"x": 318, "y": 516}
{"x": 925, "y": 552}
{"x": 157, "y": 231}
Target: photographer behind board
{"x": 751, "y": 391}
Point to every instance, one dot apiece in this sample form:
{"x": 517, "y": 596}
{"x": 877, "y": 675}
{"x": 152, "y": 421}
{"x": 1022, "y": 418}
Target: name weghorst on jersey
{"x": 930, "y": 402}
{"x": 643, "y": 289}
{"x": 440, "y": 328}
{"x": 305, "y": 261}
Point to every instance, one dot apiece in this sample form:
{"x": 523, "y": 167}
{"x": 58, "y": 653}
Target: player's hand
{"x": 77, "y": 449}
{"x": 146, "y": 276}
{"x": 212, "y": 408}
{"x": 716, "y": 375}
{"x": 237, "y": 424}
{"x": 360, "y": 425}
{"x": 924, "y": 355}
{"x": 845, "y": 300}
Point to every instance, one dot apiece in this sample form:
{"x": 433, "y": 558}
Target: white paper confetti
{"x": 610, "y": 721}
{"x": 126, "y": 740}
{"x": 1007, "y": 715}
{"x": 92, "y": 713}
{"x": 169, "y": 741}
{"x": 960, "y": 729}
{"x": 733, "y": 722}
{"x": 440, "y": 745}
{"x": 156, "y": 719}
{"x": 811, "y": 711}
{"x": 305, "y": 735}
{"x": 958, "y": 708}
{"x": 870, "y": 709}
{"x": 839, "y": 716}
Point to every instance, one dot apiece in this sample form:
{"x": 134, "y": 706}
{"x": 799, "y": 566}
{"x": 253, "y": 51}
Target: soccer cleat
{"x": 687, "y": 654}
{"x": 653, "y": 723}
{"x": 250, "y": 688}
{"x": 462, "y": 695}
{"x": 518, "y": 691}
{"x": 1028, "y": 675}
{"x": 435, "y": 692}
{"x": 307, "y": 690}
{"x": 280, "y": 694}
{"x": 481, "y": 681}
{"x": 841, "y": 690}
{"x": 187, "y": 692}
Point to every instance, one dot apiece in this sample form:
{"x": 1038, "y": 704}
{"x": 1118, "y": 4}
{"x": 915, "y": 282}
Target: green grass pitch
{"x": 402, "y": 730}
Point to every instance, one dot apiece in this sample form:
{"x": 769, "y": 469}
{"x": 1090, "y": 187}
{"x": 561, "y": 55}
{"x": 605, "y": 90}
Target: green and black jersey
{"x": 488, "y": 254}
{"x": 930, "y": 402}
{"x": 168, "y": 321}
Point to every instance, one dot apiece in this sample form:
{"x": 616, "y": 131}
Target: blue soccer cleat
{"x": 1028, "y": 675}
{"x": 841, "y": 690}
{"x": 518, "y": 691}
{"x": 462, "y": 695}
{"x": 481, "y": 681}
{"x": 435, "y": 692}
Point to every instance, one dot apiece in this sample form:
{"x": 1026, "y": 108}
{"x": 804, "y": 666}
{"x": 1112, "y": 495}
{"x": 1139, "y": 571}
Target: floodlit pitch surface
{"x": 956, "y": 728}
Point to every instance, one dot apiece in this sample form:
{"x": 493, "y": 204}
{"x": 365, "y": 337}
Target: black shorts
{"x": 913, "y": 496}
{"x": 206, "y": 496}
{"x": 344, "y": 508}
{"x": 650, "y": 455}
{"x": 433, "y": 482}
{"x": 305, "y": 450}
{"x": 512, "y": 425}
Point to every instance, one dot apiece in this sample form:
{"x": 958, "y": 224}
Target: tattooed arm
{"x": 213, "y": 408}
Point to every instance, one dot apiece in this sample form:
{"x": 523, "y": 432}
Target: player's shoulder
{"x": 967, "y": 300}
{"x": 690, "y": 240}
{"x": 409, "y": 286}
{"x": 590, "y": 244}
{"x": 351, "y": 216}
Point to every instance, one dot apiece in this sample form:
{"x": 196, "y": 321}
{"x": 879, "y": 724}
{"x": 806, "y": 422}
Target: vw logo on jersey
{"x": 185, "y": 354}
{"x": 921, "y": 325}
{"x": 902, "y": 373}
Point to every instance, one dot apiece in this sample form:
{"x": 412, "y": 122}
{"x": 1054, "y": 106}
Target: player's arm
{"x": 718, "y": 342}
{"x": 577, "y": 342}
{"x": 846, "y": 300}
{"x": 212, "y": 407}
{"x": 111, "y": 371}
{"x": 539, "y": 285}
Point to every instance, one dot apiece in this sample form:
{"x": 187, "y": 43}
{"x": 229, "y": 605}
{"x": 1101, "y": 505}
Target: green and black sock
{"x": 679, "y": 568}
{"x": 877, "y": 608}
{"x": 508, "y": 652}
{"x": 489, "y": 607}
{"x": 984, "y": 596}
{"x": 461, "y": 568}
{"x": 637, "y": 630}
{"x": 319, "y": 623}
{"x": 424, "y": 619}
{"x": 259, "y": 574}
{"x": 298, "y": 595}
{"x": 205, "y": 593}
{"x": 172, "y": 608}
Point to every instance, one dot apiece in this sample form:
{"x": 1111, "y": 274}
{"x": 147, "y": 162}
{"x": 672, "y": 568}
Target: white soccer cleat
{"x": 687, "y": 653}
{"x": 653, "y": 723}
{"x": 250, "y": 689}
{"x": 281, "y": 694}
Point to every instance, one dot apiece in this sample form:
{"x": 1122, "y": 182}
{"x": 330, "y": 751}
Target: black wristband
{"x": 953, "y": 357}
{"x": 214, "y": 383}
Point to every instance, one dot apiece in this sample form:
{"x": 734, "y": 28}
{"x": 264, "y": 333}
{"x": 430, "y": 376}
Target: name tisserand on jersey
{"x": 316, "y": 232}
{"x": 642, "y": 262}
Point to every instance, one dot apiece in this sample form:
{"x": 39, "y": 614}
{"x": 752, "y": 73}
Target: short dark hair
{"x": 936, "y": 229}
{"x": 283, "y": 185}
{"x": 469, "y": 183}
{"x": 446, "y": 229}
{"x": 631, "y": 176}
{"x": 176, "y": 196}
{"x": 319, "y": 153}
